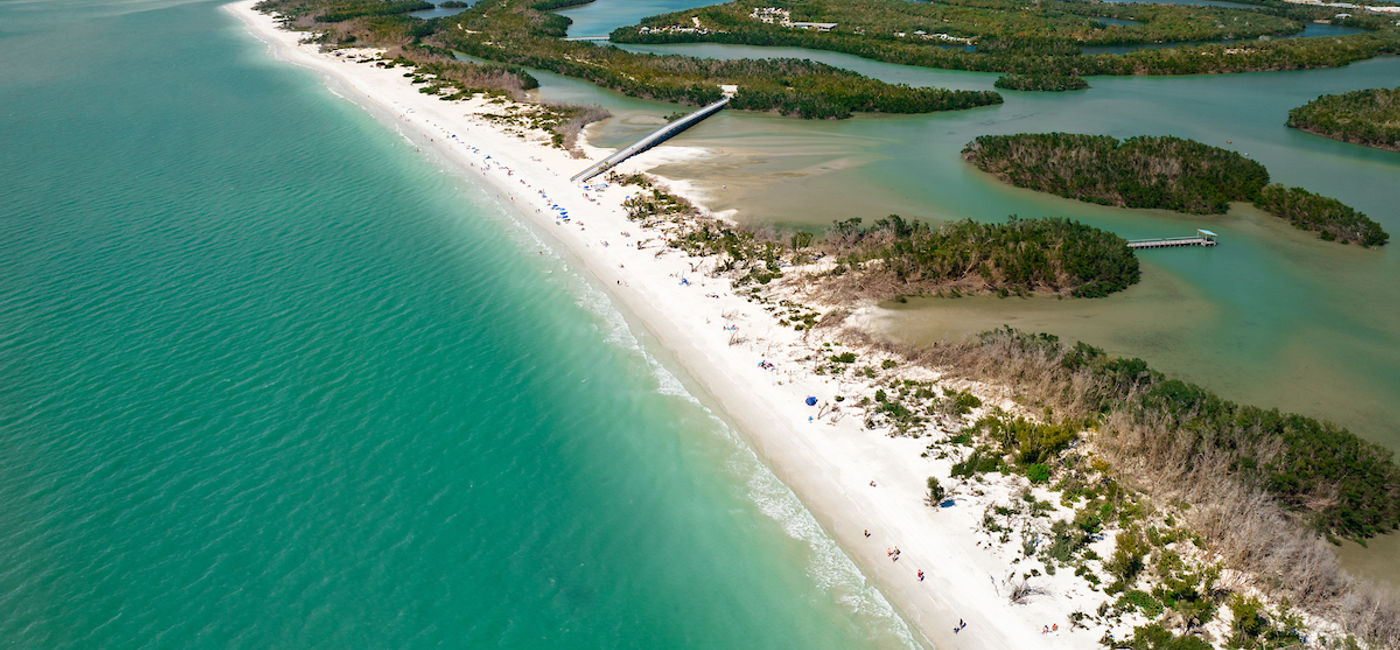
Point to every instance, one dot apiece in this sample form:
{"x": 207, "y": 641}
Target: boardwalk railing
{"x": 657, "y": 137}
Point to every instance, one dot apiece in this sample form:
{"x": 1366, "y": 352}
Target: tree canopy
{"x": 1365, "y": 117}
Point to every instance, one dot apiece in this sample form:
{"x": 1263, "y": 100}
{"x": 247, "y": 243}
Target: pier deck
{"x": 656, "y": 137}
{"x": 1170, "y": 242}
{"x": 1201, "y": 238}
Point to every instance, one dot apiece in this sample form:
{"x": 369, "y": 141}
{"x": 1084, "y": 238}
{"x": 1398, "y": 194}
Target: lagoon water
{"x": 1273, "y": 316}
{"x": 272, "y": 379}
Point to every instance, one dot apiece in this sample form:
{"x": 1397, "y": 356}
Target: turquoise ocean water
{"x": 269, "y": 378}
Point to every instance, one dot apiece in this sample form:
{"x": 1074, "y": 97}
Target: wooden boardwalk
{"x": 656, "y": 137}
{"x": 1171, "y": 242}
{"x": 1201, "y": 238}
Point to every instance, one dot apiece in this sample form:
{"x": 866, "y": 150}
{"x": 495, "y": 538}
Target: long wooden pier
{"x": 1201, "y": 238}
{"x": 656, "y": 137}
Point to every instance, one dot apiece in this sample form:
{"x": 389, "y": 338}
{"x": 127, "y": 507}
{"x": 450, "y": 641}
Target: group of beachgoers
{"x": 893, "y": 553}
{"x": 561, "y": 215}
{"x": 487, "y": 163}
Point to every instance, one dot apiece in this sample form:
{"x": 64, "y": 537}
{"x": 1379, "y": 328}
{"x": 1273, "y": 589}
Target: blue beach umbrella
{"x": 811, "y": 401}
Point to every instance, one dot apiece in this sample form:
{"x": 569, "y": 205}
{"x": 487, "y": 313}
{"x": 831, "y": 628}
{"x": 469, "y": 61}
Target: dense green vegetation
{"x": 439, "y": 72}
{"x": 1340, "y": 484}
{"x": 1185, "y": 476}
{"x": 1042, "y": 82}
{"x": 1007, "y": 36}
{"x": 1331, "y": 218}
{"x": 1156, "y": 637}
{"x": 340, "y": 10}
{"x": 1163, "y": 173}
{"x": 1060, "y": 22}
{"x": 454, "y": 4}
{"x": 1018, "y": 256}
{"x": 384, "y": 25}
{"x": 1142, "y": 172}
{"x": 521, "y": 33}
{"x": 508, "y": 31}
{"x": 1366, "y": 117}
{"x": 895, "y": 256}
{"x": 1189, "y": 486}
{"x": 1345, "y": 485}
{"x": 554, "y": 5}
{"x": 795, "y": 87}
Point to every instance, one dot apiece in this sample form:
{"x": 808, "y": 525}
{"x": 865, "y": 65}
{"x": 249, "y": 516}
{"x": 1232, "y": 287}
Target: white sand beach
{"x": 830, "y": 461}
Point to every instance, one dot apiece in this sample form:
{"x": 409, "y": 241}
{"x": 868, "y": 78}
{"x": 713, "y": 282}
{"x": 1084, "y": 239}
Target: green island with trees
{"x": 1043, "y": 82}
{"x": 1045, "y": 38}
{"x": 346, "y": 10}
{"x": 1330, "y": 218}
{"x": 1364, "y": 117}
{"x": 1018, "y": 256}
{"x": 523, "y": 33}
{"x": 1161, "y": 173}
{"x": 895, "y": 257}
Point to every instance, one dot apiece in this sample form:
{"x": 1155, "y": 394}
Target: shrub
{"x": 936, "y": 493}
{"x": 1155, "y": 637}
{"x": 1128, "y": 555}
{"x": 981, "y": 461}
{"x": 1143, "y": 601}
{"x": 1251, "y": 627}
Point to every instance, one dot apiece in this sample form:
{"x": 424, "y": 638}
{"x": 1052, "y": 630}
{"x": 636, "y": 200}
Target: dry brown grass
{"x": 579, "y": 117}
{"x": 1245, "y": 527}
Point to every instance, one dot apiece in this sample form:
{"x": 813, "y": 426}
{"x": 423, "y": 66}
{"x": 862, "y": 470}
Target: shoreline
{"x": 829, "y": 461}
